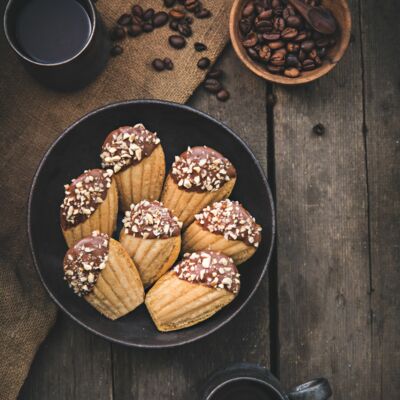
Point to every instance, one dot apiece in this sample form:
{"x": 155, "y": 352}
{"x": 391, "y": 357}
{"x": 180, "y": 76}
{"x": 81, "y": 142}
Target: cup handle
{"x": 317, "y": 389}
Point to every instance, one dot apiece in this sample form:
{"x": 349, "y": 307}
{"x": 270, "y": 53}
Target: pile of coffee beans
{"x": 276, "y": 36}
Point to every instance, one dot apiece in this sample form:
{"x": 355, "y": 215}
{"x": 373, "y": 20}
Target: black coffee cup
{"x": 252, "y": 382}
{"x": 68, "y": 74}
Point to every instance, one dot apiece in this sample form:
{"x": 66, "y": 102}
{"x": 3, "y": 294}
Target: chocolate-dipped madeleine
{"x": 198, "y": 177}
{"x": 152, "y": 237}
{"x": 224, "y": 226}
{"x": 137, "y": 158}
{"x": 99, "y": 269}
{"x": 90, "y": 203}
{"x": 194, "y": 290}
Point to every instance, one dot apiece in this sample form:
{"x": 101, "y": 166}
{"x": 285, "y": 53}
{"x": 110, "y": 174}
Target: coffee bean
{"x": 274, "y": 69}
{"x": 125, "y": 19}
{"x": 312, "y": 54}
{"x": 177, "y": 41}
{"x": 300, "y": 37}
{"x": 176, "y": 13}
{"x": 223, "y": 95}
{"x": 271, "y": 37}
{"x": 148, "y": 14}
{"x": 212, "y": 85}
{"x": 191, "y": 5}
{"x": 265, "y": 53}
{"x": 288, "y": 12}
{"x": 289, "y": 33}
{"x": 185, "y": 30}
{"x": 160, "y": 19}
{"x": 276, "y": 4}
{"x": 277, "y": 59}
{"x": 117, "y": 33}
{"x": 307, "y": 45}
{"x": 203, "y": 63}
{"x": 248, "y": 9}
{"x": 293, "y": 21}
{"x": 134, "y": 30}
{"x": 252, "y": 53}
{"x": 116, "y": 50}
{"x": 245, "y": 26}
{"x": 168, "y": 63}
{"x": 174, "y": 25}
{"x": 308, "y": 64}
{"x": 263, "y": 26}
{"x": 291, "y": 72}
{"x": 200, "y": 46}
{"x": 204, "y": 13}
{"x": 279, "y": 24}
{"x": 292, "y": 47}
{"x": 137, "y": 10}
{"x": 188, "y": 20}
{"x": 148, "y": 27}
{"x": 169, "y": 3}
{"x": 215, "y": 73}
{"x": 137, "y": 20}
{"x": 276, "y": 45}
{"x": 302, "y": 55}
{"x": 158, "y": 64}
{"x": 265, "y": 14}
{"x": 319, "y": 129}
{"x": 250, "y": 40}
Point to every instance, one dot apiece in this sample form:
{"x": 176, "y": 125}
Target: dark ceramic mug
{"x": 73, "y": 73}
{"x": 252, "y": 382}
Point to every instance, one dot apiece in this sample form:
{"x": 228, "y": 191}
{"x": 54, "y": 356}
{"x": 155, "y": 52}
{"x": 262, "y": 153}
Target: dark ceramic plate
{"x": 78, "y": 149}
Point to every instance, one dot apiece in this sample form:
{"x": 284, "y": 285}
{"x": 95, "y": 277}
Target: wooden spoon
{"x": 320, "y": 18}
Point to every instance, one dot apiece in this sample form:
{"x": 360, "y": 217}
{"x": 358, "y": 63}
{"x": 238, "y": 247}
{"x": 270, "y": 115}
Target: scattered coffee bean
{"x": 148, "y": 27}
{"x": 137, "y": 20}
{"x": 223, "y": 95}
{"x": 204, "y": 13}
{"x": 215, "y": 73}
{"x": 160, "y": 19}
{"x": 134, "y": 30}
{"x": 158, "y": 64}
{"x": 176, "y": 13}
{"x": 203, "y": 63}
{"x": 276, "y": 35}
{"x": 174, "y": 25}
{"x": 125, "y": 19}
{"x": 116, "y": 50}
{"x": 169, "y": 3}
{"x": 117, "y": 33}
{"x": 177, "y": 41}
{"x": 137, "y": 10}
{"x": 185, "y": 30}
{"x": 191, "y": 5}
{"x": 319, "y": 129}
{"x": 200, "y": 46}
{"x": 148, "y": 14}
{"x": 212, "y": 85}
{"x": 168, "y": 63}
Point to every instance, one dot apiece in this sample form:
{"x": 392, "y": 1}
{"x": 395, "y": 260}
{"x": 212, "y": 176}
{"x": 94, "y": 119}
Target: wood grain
{"x": 382, "y": 100}
{"x": 323, "y": 257}
{"x": 178, "y": 373}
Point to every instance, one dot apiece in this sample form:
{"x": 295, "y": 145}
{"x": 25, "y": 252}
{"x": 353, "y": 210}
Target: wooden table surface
{"x": 330, "y": 304}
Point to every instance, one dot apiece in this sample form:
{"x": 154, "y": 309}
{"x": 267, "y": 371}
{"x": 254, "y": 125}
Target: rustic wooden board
{"x": 381, "y": 49}
{"x": 323, "y": 256}
{"x": 178, "y": 373}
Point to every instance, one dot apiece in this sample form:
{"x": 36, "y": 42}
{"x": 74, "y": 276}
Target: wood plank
{"x": 72, "y": 363}
{"x": 178, "y": 373}
{"x": 381, "y": 49}
{"x": 323, "y": 257}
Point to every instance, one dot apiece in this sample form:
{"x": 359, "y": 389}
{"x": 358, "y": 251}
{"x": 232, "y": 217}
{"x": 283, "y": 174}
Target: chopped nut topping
{"x": 202, "y": 169}
{"x": 127, "y": 146}
{"x": 83, "y": 196}
{"x": 151, "y": 220}
{"x": 84, "y": 261}
{"x": 209, "y": 268}
{"x": 231, "y": 219}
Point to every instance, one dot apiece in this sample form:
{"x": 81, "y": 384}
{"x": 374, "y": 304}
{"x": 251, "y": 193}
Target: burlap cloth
{"x": 31, "y": 117}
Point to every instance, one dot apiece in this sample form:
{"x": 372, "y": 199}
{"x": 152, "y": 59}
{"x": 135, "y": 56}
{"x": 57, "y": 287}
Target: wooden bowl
{"x": 339, "y": 9}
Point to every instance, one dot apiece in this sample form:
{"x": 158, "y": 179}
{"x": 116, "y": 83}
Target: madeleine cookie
{"x": 90, "y": 204}
{"x": 137, "y": 159}
{"x": 99, "y": 269}
{"x": 199, "y": 177}
{"x": 152, "y": 237}
{"x": 194, "y": 290}
{"x": 225, "y": 226}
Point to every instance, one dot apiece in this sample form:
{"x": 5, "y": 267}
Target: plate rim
{"x": 185, "y": 107}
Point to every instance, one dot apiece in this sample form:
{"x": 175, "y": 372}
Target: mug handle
{"x": 317, "y": 389}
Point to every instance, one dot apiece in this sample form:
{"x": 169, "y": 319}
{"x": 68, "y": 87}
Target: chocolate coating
{"x": 84, "y": 261}
{"x": 151, "y": 220}
{"x": 232, "y": 220}
{"x": 83, "y": 196}
{"x": 209, "y": 268}
{"x": 127, "y": 146}
{"x": 201, "y": 169}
